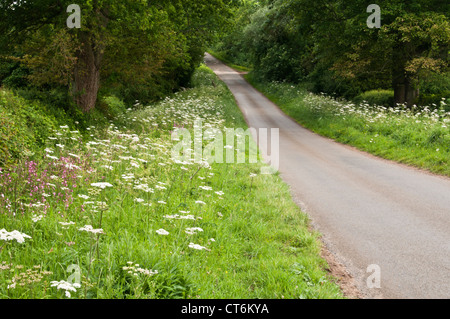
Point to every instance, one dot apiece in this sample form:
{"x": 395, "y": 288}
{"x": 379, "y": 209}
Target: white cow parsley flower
{"x": 67, "y": 286}
{"x": 162, "y": 232}
{"x": 15, "y": 234}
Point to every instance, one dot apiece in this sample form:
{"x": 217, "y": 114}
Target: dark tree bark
{"x": 88, "y": 66}
{"x": 87, "y": 74}
{"x": 404, "y": 90}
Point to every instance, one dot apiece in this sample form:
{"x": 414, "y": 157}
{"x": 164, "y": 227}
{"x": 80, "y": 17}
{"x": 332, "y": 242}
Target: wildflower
{"x": 162, "y": 232}
{"x": 128, "y": 176}
{"x": 171, "y": 216}
{"x": 204, "y": 164}
{"x": 196, "y": 246}
{"x": 37, "y": 218}
{"x": 83, "y": 196}
{"x": 144, "y": 187}
{"x": 102, "y": 206}
{"x": 67, "y": 224}
{"x": 90, "y": 229}
{"x": 200, "y": 202}
{"x": 101, "y": 185}
{"x": 147, "y": 272}
{"x": 193, "y": 230}
{"x": 18, "y": 236}
{"x": 187, "y": 217}
{"x": 67, "y": 286}
{"x": 134, "y": 164}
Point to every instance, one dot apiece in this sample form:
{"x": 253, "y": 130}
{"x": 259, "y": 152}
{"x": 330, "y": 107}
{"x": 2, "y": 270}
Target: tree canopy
{"x": 329, "y": 45}
{"x": 143, "y": 49}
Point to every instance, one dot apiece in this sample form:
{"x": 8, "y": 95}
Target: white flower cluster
{"x": 67, "y": 286}
{"x": 15, "y": 234}
{"x": 136, "y": 270}
{"x": 193, "y": 230}
{"x": 176, "y": 216}
{"x": 90, "y": 229}
{"x": 196, "y": 246}
{"x": 162, "y": 232}
{"x": 37, "y": 218}
{"x": 101, "y": 185}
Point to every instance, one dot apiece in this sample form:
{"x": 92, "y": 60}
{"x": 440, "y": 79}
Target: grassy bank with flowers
{"x": 114, "y": 216}
{"x": 415, "y": 136}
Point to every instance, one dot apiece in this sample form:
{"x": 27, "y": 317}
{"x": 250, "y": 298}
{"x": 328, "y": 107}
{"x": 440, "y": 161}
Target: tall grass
{"x": 116, "y": 217}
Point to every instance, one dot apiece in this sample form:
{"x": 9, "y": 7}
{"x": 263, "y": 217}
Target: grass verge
{"x": 117, "y": 217}
{"x": 418, "y": 137}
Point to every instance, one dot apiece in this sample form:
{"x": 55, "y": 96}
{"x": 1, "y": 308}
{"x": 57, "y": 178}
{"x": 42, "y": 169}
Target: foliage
{"x": 376, "y": 97}
{"x": 134, "y": 49}
{"x": 329, "y": 46}
{"x": 24, "y": 127}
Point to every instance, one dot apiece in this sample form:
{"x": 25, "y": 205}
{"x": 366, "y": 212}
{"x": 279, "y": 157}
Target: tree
{"x": 122, "y": 39}
{"x": 330, "y": 45}
{"x": 414, "y": 38}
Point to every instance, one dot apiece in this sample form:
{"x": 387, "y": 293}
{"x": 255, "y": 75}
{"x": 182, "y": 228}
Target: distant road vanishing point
{"x": 370, "y": 211}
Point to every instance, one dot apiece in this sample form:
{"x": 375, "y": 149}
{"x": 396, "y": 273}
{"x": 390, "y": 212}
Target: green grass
{"x": 257, "y": 243}
{"x": 418, "y": 137}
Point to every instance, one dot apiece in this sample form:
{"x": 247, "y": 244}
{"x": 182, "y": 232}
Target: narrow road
{"x": 369, "y": 210}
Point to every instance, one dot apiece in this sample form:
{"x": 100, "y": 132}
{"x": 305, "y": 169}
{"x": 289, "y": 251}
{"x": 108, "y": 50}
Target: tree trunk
{"x": 87, "y": 74}
{"x": 404, "y": 90}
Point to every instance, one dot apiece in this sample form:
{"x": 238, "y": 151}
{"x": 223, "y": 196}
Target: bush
{"x": 436, "y": 84}
{"x": 24, "y": 127}
{"x": 112, "y": 106}
{"x": 17, "y": 78}
{"x": 376, "y": 97}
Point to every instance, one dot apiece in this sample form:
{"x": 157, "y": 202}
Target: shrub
{"x": 24, "y": 127}
{"x": 112, "y": 105}
{"x": 376, "y": 97}
{"x": 430, "y": 99}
